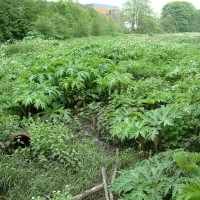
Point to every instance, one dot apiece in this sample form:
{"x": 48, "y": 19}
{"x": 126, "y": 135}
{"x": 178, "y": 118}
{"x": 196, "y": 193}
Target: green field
{"x": 80, "y": 99}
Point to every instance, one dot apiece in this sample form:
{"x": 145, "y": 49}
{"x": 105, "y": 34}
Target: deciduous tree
{"x": 180, "y": 14}
{"x": 134, "y": 10}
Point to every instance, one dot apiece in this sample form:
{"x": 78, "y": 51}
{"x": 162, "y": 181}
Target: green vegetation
{"x": 161, "y": 177}
{"x": 81, "y": 98}
{"x": 30, "y": 19}
{"x": 180, "y": 17}
{"x": 175, "y": 17}
{"x": 44, "y": 19}
{"x": 140, "y": 16}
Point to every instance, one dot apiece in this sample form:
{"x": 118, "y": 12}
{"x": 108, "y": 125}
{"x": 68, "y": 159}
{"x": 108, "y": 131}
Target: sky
{"x": 157, "y": 5}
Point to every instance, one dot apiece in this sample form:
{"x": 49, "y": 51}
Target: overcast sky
{"x": 157, "y": 5}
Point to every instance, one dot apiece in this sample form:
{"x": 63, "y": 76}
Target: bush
{"x": 45, "y": 26}
{"x": 33, "y": 35}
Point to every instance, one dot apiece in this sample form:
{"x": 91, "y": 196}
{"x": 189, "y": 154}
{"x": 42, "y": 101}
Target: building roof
{"x": 102, "y": 6}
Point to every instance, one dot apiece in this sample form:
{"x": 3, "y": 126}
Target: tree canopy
{"x": 134, "y": 10}
{"x": 60, "y": 20}
{"x": 179, "y": 16}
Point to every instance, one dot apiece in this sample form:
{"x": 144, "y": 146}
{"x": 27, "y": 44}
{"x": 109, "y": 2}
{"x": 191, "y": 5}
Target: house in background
{"x": 108, "y": 10}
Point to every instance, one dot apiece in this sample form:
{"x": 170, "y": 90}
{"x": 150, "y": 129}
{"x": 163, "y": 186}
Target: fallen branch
{"x": 104, "y": 182}
{"x": 102, "y": 185}
{"x": 115, "y": 171}
{"x": 88, "y": 192}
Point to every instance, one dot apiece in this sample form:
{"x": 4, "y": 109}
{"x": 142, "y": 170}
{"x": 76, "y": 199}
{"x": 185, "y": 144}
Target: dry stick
{"x": 88, "y": 192}
{"x": 104, "y": 182}
{"x": 115, "y": 171}
{"x": 103, "y": 185}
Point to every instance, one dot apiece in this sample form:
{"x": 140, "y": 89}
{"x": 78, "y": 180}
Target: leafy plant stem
{"x": 142, "y": 147}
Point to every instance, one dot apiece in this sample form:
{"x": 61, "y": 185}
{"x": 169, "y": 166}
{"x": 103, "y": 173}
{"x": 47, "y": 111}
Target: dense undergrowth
{"x": 81, "y": 98}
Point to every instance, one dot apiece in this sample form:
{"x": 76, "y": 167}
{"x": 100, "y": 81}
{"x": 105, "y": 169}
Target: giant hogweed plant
{"x": 164, "y": 176}
{"x": 114, "y": 81}
{"x": 152, "y": 126}
{"x": 189, "y": 191}
{"x": 55, "y": 113}
{"x": 28, "y": 95}
{"x": 92, "y": 72}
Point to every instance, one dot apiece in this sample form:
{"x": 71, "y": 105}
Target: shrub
{"x": 45, "y": 26}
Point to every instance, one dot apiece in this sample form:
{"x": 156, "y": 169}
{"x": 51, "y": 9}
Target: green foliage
{"x": 138, "y": 96}
{"x": 39, "y": 95}
{"x": 152, "y": 125}
{"x": 9, "y": 124}
{"x": 23, "y": 179}
{"x": 188, "y": 161}
{"x": 156, "y": 178}
{"x": 33, "y": 35}
{"x": 163, "y": 116}
{"x": 137, "y": 13}
{"x": 13, "y": 20}
{"x": 98, "y": 25}
{"x": 180, "y": 14}
{"x": 55, "y": 113}
{"x": 149, "y": 24}
{"x": 58, "y": 20}
{"x": 196, "y": 20}
{"x": 62, "y": 26}
{"x": 45, "y": 26}
{"x": 57, "y": 195}
{"x": 189, "y": 192}
{"x": 53, "y": 142}
{"x": 115, "y": 81}
{"x": 18, "y": 16}
{"x": 135, "y": 89}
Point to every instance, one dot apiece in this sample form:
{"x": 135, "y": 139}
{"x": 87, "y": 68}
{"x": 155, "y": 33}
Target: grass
{"x": 22, "y": 178}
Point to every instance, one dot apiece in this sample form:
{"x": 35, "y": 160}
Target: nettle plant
{"x": 52, "y": 142}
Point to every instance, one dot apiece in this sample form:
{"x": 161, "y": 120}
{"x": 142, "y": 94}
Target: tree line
{"x": 60, "y": 20}
{"x": 67, "y": 19}
{"x": 175, "y": 17}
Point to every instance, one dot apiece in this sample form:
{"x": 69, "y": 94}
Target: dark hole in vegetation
{"x": 21, "y": 141}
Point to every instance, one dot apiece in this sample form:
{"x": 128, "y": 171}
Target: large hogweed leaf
{"x": 56, "y": 112}
{"x": 72, "y": 82}
{"x": 115, "y": 80}
{"x": 38, "y": 95}
{"x": 188, "y": 161}
{"x": 148, "y": 180}
{"x": 190, "y": 191}
{"x": 157, "y": 178}
{"x": 163, "y": 116}
{"x": 148, "y": 126}
{"x": 132, "y": 127}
